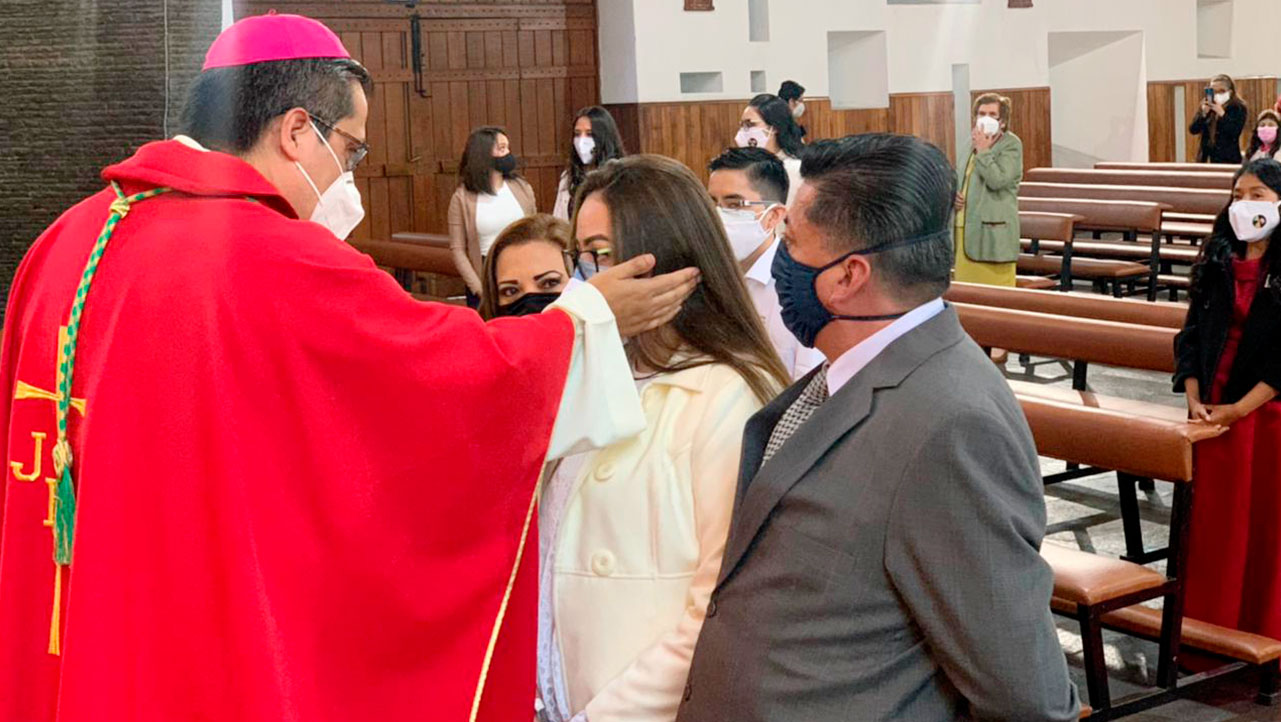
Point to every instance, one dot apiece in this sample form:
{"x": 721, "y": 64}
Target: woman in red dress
{"x": 1229, "y": 365}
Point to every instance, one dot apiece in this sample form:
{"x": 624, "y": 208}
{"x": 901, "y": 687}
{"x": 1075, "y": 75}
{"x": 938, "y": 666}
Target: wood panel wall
{"x": 526, "y": 65}
{"x": 1031, "y": 121}
{"x": 695, "y": 132}
{"x": 1257, "y": 92}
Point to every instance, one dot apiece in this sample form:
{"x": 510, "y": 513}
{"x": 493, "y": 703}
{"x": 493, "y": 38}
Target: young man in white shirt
{"x": 749, "y": 186}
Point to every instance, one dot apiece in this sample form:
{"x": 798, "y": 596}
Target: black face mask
{"x": 527, "y": 305}
{"x": 505, "y": 164}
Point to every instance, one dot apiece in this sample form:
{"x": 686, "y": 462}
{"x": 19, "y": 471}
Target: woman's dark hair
{"x": 538, "y": 228}
{"x": 229, "y": 108}
{"x": 1255, "y": 142}
{"x": 791, "y": 90}
{"x": 1222, "y": 245}
{"x": 777, "y": 115}
{"x": 657, "y": 205}
{"x": 478, "y": 160}
{"x": 609, "y": 146}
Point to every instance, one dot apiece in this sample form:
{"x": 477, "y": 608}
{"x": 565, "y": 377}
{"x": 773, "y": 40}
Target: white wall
{"x": 1003, "y": 47}
{"x": 1100, "y": 97}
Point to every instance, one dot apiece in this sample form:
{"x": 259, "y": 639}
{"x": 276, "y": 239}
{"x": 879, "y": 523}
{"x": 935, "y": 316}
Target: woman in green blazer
{"x": 987, "y": 208}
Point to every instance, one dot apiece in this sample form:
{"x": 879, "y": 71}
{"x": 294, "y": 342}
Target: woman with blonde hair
{"x": 632, "y": 535}
{"x": 527, "y": 268}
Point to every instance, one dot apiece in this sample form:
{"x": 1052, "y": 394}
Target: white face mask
{"x": 799, "y": 110}
{"x": 752, "y": 137}
{"x": 988, "y": 125}
{"x": 585, "y": 146}
{"x": 1222, "y": 98}
{"x": 1254, "y": 220}
{"x": 746, "y": 234}
{"x": 338, "y": 208}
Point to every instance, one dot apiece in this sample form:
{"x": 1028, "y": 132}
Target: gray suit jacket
{"x": 884, "y": 564}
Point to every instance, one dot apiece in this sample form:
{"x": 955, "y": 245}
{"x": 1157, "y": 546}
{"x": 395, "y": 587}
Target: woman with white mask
{"x": 1220, "y": 122}
{"x": 1228, "y": 365}
{"x": 768, "y": 123}
{"x": 986, "y": 229}
{"x": 596, "y": 140}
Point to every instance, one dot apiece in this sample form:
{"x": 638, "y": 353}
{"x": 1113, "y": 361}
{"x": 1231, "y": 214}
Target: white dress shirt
{"x": 494, "y": 213}
{"x": 797, "y": 359}
{"x": 856, "y": 359}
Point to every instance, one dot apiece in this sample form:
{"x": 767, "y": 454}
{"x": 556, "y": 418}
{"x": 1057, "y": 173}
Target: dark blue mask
{"x": 802, "y": 311}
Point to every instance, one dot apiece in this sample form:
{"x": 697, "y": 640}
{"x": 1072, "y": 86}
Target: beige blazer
{"x": 639, "y": 547}
{"x": 464, "y": 241}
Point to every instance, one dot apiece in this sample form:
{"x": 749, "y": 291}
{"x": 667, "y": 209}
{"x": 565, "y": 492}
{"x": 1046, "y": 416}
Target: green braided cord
{"x": 65, "y": 500}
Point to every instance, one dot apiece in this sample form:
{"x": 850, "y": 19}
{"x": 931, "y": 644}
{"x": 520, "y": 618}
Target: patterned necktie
{"x": 798, "y": 413}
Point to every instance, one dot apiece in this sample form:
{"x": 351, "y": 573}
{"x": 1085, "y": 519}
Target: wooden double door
{"x": 526, "y": 65}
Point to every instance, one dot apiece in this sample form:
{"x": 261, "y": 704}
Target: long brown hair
{"x": 656, "y": 205}
{"x": 478, "y": 160}
{"x": 538, "y": 228}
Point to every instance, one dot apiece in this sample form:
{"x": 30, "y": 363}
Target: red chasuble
{"x": 301, "y": 492}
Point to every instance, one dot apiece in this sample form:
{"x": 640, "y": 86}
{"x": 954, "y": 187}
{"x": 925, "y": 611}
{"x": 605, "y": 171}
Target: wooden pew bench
{"x": 1126, "y": 177}
{"x": 406, "y": 259}
{"x": 1180, "y": 200}
{"x": 1079, "y": 305}
{"x": 1185, "y": 167}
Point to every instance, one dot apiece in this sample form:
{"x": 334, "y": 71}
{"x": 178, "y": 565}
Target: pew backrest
{"x": 1164, "y": 179}
{"x": 1048, "y": 226}
{"x": 1185, "y": 167}
{"x": 409, "y": 256}
{"x": 1126, "y": 345}
{"x": 1100, "y": 215}
{"x": 1077, "y": 305}
{"x": 1180, "y": 200}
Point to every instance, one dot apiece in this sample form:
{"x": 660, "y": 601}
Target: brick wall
{"x": 82, "y": 84}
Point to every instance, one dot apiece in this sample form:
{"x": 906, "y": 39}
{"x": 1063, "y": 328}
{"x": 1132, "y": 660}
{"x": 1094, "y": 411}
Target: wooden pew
{"x": 1136, "y": 439}
{"x": 1078, "y": 305}
{"x": 1133, "y": 219}
{"x": 1184, "y": 167}
{"x": 406, "y": 259}
{"x": 1180, "y": 200}
{"x": 1164, "y": 179}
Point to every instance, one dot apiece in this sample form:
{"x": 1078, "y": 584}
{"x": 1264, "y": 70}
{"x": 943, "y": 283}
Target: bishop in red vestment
{"x": 285, "y": 489}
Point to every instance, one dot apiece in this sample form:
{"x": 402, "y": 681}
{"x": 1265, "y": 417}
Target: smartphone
{"x": 1209, "y": 95}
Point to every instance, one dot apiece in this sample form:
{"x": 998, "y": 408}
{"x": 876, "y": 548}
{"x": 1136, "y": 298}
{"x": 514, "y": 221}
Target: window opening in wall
{"x": 858, "y": 69}
{"x": 759, "y": 84}
{"x": 758, "y": 20}
{"x": 1214, "y": 28}
{"x": 702, "y": 82}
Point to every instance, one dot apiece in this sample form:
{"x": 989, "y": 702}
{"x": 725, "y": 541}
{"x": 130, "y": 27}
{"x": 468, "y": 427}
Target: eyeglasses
{"x": 738, "y": 204}
{"x": 362, "y": 148}
{"x": 595, "y": 261}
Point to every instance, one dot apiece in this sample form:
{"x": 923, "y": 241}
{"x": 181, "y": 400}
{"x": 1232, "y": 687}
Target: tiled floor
{"x": 1085, "y": 514}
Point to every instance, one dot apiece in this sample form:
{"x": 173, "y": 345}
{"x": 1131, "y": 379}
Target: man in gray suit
{"x": 884, "y": 557}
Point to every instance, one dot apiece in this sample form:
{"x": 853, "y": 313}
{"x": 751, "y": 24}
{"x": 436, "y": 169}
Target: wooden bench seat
{"x": 1161, "y": 166}
{"x": 1146, "y": 622}
{"x": 1119, "y": 249}
{"x": 1186, "y": 229}
{"x": 1036, "y": 282}
{"x": 1084, "y": 578}
{"x": 1078, "y": 305}
{"x": 1099, "y": 270}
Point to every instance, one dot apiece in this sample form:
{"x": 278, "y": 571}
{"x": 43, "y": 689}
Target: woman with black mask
{"x": 1229, "y": 366}
{"x": 491, "y": 195}
{"x": 527, "y": 268}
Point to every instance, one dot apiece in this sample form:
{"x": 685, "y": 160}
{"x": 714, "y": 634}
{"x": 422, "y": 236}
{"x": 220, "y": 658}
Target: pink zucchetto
{"x": 264, "y": 38}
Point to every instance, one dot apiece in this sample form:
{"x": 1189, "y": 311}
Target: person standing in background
{"x": 1229, "y": 367}
{"x": 794, "y": 93}
{"x": 749, "y": 186}
{"x": 491, "y": 195}
{"x": 986, "y": 229}
{"x": 768, "y": 123}
{"x": 596, "y": 140}
{"x": 1219, "y": 122}
{"x": 1263, "y": 142}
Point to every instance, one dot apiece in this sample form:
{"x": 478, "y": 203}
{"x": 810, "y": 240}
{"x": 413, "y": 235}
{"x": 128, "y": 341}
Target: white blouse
{"x": 494, "y": 213}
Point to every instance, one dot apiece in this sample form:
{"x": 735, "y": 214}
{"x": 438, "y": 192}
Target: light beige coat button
{"x": 602, "y": 564}
{"x": 605, "y": 471}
